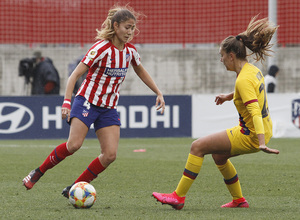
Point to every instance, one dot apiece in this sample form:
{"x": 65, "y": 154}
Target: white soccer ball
{"x": 82, "y": 195}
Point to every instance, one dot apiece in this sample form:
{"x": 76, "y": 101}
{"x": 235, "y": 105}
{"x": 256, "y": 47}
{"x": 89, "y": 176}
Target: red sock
{"x": 91, "y": 172}
{"x": 57, "y": 155}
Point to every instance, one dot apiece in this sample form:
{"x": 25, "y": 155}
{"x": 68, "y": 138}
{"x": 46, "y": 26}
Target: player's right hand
{"x": 66, "y": 109}
{"x": 220, "y": 99}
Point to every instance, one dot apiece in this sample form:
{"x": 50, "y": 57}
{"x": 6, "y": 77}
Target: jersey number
{"x": 265, "y": 110}
{"x": 87, "y": 105}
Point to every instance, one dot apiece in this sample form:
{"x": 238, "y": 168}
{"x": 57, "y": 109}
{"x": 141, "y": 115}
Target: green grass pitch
{"x": 270, "y": 183}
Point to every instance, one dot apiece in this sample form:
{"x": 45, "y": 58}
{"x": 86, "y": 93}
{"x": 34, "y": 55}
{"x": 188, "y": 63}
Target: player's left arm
{"x": 147, "y": 79}
{"x": 250, "y": 100}
{"x": 264, "y": 148}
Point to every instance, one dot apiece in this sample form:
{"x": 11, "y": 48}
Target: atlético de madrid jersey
{"x": 107, "y": 70}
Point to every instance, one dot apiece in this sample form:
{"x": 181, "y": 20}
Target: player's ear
{"x": 115, "y": 25}
{"x": 232, "y": 56}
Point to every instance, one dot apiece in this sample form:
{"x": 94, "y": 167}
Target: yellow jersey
{"x": 250, "y": 99}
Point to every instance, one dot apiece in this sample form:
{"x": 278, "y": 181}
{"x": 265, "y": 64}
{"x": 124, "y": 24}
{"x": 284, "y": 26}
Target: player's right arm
{"x": 221, "y": 98}
{"x": 76, "y": 74}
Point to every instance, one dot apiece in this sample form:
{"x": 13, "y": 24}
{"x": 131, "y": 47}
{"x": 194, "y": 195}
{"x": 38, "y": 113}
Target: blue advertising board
{"x": 39, "y": 117}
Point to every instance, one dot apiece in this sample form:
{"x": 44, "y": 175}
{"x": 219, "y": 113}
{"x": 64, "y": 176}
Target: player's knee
{"x": 219, "y": 159}
{"x": 197, "y": 148}
{"x": 73, "y": 147}
{"x": 110, "y": 157}
{"x": 216, "y": 158}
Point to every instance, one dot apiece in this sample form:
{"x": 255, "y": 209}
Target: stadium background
{"x": 178, "y": 40}
{"x": 179, "y": 45}
{"x": 181, "y": 64}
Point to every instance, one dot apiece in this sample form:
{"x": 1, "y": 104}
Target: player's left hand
{"x": 265, "y": 149}
{"x": 160, "y": 103}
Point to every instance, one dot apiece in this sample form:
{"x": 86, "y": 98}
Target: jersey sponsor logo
{"x": 14, "y": 118}
{"x": 296, "y": 112}
{"x": 115, "y": 72}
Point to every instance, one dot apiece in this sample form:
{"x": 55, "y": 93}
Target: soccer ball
{"x": 82, "y": 195}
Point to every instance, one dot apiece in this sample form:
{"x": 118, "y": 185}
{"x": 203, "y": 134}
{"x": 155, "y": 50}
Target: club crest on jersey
{"x": 85, "y": 113}
{"x": 116, "y": 72}
{"x": 296, "y": 112}
{"x": 127, "y": 57}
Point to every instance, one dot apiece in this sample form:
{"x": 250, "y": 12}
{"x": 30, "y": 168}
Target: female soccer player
{"x": 255, "y": 128}
{"x": 96, "y": 100}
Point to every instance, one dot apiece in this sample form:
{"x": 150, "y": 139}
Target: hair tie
{"x": 238, "y": 37}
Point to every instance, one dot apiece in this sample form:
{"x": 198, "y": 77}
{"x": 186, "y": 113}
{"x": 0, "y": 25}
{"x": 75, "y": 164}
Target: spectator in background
{"x": 270, "y": 79}
{"x": 71, "y": 68}
{"x": 42, "y": 74}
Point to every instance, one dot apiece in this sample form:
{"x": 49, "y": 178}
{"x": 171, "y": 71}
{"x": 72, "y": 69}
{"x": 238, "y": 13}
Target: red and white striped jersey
{"x": 108, "y": 68}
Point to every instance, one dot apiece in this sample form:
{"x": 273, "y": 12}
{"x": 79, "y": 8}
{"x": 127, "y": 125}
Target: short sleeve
{"x": 90, "y": 57}
{"x": 135, "y": 56}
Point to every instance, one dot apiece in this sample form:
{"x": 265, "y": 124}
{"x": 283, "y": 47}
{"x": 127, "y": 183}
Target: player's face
{"x": 125, "y": 30}
{"x": 227, "y": 60}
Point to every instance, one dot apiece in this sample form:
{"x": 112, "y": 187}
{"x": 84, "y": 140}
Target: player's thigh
{"x": 241, "y": 143}
{"x": 217, "y": 143}
{"x": 109, "y": 138}
{"x": 78, "y": 132}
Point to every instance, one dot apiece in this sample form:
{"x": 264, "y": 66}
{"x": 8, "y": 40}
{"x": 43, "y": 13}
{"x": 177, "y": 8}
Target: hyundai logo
{"x": 14, "y": 118}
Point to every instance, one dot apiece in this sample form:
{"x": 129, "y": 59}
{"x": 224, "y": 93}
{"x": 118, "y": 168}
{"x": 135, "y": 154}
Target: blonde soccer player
{"x": 255, "y": 126}
{"x": 107, "y": 63}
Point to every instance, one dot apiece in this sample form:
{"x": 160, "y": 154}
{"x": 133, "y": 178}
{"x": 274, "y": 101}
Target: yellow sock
{"x": 192, "y": 168}
{"x": 231, "y": 179}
